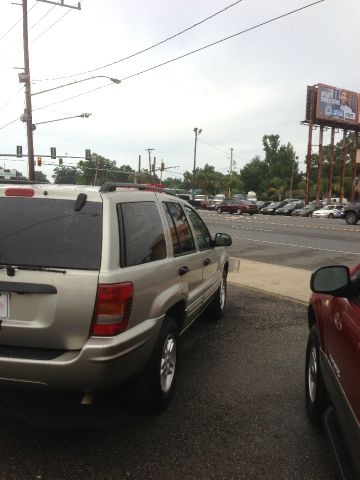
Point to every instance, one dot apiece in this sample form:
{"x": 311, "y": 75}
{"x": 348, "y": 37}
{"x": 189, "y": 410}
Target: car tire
{"x": 351, "y": 218}
{"x": 238, "y": 211}
{"x": 217, "y": 306}
{"x": 219, "y": 210}
{"x": 152, "y": 391}
{"x": 315, "y": 391}
{"x": 331, "y": 215}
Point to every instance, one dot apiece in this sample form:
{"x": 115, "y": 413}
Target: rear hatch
{"x": 50, "y": 257}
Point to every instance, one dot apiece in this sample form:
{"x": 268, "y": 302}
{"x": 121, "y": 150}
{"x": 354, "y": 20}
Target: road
{"x": 238, "y": 412}
{"x": 298, "y": 242}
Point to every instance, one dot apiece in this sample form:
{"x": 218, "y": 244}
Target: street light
{"x": 197, "y": 132}
{"x": 114, "y": 80}
{"x": 292, "y": 175}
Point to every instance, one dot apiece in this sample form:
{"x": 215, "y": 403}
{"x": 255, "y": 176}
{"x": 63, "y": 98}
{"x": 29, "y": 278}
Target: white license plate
{"x": 4, "y": 305}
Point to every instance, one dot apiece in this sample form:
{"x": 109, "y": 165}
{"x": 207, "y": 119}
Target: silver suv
{"x": 96, "y": 285}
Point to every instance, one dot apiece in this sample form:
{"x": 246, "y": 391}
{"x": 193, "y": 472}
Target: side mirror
{"x": 222, "y": 240}
{"x": 333, "y": 280}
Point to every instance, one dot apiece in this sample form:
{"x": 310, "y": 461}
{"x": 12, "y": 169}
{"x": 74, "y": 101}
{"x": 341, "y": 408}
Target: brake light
{"x": 19, "y": 192}
{"x": 112, "y": 309}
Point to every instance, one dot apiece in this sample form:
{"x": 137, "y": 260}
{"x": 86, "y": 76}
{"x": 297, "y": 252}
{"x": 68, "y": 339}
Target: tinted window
{"x": 141, "y": 233}
{"x": 201, "y": 231}
{"x": 49, "y": 233}
{"x": 183, "y": 241}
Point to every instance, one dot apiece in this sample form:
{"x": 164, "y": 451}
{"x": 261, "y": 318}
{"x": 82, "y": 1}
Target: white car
{"x": 330, "y": 211}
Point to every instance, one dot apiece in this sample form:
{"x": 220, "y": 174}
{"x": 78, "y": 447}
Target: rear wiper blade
{"x": 11, "y": 269}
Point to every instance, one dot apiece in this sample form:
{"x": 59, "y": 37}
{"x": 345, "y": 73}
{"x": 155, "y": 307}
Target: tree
{"x": 63, "y": 174}
{"x": 254, "y": 175}
{"x": 103, "y": 170}
{"x": 41, "y": 177}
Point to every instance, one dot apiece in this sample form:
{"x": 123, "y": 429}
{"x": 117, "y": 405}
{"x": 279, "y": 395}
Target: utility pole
{"x": 331, "y": 163}
{"x": 25, "y": 77}
{"x": 28, "y": 109}
{"x": 343, "y": 164}
{"x": 197, "y": 132}
{"x": 230, "y": 171}
{"x": 149, "y": 150}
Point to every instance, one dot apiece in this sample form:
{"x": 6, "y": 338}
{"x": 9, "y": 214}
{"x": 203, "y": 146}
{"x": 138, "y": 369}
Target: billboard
{"x": 337, "y": 105}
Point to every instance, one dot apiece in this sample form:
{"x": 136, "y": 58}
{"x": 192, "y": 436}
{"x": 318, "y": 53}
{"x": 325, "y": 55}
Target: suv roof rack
{"x": 112, "y": 186}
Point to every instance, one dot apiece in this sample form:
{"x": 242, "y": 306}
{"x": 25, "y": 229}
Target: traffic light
{"x": 39, "y": 161}
{"x": 60, "y": 161}
{"x": 162, "y": 167}
{"x": 52, "y": 152}
{"x": 19, "y": 151}
{"x": 88, "y": 154}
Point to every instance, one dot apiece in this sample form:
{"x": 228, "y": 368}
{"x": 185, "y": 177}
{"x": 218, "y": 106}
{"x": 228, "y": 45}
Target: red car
{"x": 233, "y": 205}
{"x": 332, "y": 370}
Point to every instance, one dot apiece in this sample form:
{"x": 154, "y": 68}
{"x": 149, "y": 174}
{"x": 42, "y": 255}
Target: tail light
{"x": 112, "y": 309}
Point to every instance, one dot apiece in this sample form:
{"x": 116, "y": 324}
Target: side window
{"x": 182, "y": 239}
{"x": 201, "y": 231}
{"x": 142, "y": 238}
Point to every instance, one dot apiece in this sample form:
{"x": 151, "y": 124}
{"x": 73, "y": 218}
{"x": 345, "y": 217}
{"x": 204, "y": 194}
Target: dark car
{"x": 289, "y": 208}
{"x": 352, "y": 213}
{"x": 307, "y": 211}
{"x": 233, "y": 205}
{"x": 270, "y": 209}
{"x": 262, "y": 204}
{"x": 332, "y": 380}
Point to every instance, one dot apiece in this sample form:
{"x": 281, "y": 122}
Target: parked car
{"x": 289, "y": 208}
{"x": 203, "y": 201}
{"x": 261, "y": 204}
{"x": 306, "y": 211}
{"x": 187, "y": 197}
{"x": 272, "y": 207}
{"x": 332, "y": 381}
{"x": 97, "y": 284}
{"x": 352, "y": 213}
{"x": 219, "y": 198}
{"x": 329, "y": 211}
{"x": 233, "y": 205}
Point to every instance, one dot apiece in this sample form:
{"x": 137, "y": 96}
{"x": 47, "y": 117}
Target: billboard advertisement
{"x": 337, "y": 105}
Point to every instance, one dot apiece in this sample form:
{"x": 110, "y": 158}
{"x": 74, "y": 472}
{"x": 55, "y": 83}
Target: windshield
{"x": 49, "y": 233}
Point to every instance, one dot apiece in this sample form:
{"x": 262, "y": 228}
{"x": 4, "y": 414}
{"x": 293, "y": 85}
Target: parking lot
{"x": 238, "y": 412}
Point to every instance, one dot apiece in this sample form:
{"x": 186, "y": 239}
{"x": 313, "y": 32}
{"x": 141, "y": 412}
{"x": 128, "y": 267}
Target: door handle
{"x": 183, "y": 270}
{"x": 207, "y": 261}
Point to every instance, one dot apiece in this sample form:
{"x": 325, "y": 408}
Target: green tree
{"x": 41, "y": 177}
{"x": 254, "y": 175}
{"x": 103, "y": 170}
{"x": 63, "y": 174}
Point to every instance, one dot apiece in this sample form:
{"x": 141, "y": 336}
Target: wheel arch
{"x": 177, "y": 312}
{"x": 311, "y": 317}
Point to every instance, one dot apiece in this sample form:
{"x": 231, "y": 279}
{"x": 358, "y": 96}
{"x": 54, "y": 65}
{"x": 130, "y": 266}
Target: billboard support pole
{"x": 320, "y": 164}
{"x": 331, "y": 163}
{"x": 343, "y": 162}
{"x": 308, "y": 157}
{"x": 354, "y": 167}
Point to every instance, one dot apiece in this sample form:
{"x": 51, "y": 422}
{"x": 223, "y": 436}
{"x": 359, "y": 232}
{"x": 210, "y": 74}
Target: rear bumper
{"x": 102, "y": 362}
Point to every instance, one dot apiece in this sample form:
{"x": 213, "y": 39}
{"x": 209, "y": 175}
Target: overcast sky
{"x": 237, "y": 91}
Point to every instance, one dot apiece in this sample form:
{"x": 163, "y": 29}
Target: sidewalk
{"x": 293, "y": 283}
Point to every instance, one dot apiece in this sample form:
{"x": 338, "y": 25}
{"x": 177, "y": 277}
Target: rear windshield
{"x": 49, "y": 233}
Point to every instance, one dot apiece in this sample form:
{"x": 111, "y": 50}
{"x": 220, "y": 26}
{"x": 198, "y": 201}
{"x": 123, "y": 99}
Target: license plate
{"x": 4, "y": 305}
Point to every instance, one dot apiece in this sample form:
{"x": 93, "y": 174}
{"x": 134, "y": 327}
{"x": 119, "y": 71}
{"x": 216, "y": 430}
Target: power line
{"x": 75, "y": 96}
{"x": 189, "y": 53}
{"x": 17, "y": 22}
{"x": 147, "y": 48}
{"x": 16, "y": 119}
{"x": 53, "y": 24}
{"x": 11, "y": 99}
{"x": 224, "y": 39}
{"x": 47, "y": 13}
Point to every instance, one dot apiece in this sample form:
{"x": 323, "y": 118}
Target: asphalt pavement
{"x": 238, "y": 412}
